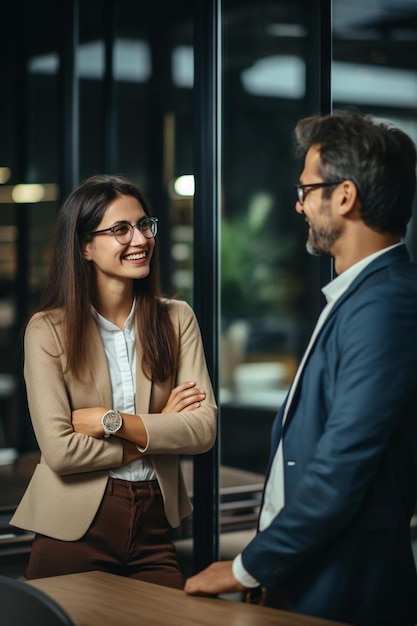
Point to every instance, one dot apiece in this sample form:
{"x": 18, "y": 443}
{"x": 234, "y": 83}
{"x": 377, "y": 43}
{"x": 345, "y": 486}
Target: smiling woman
{"x": 115, "y": 394}
{"x": 126, "y": 246}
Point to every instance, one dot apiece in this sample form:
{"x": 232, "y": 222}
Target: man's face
{"x": 323, "y": 229}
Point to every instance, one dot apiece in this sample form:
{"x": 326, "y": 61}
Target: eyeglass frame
{"x": 302, "y": 193}
{"x": 138, "y": 225}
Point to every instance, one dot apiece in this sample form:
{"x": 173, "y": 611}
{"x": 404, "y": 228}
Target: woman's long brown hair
{"x": 71, "y": 281}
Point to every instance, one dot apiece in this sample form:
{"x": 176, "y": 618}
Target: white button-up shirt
{"x": 119, "y": 346}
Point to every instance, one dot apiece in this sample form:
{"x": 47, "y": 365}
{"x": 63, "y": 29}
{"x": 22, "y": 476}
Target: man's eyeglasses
{"x": 302, "y": 190}
{"x": 123, "y": 231}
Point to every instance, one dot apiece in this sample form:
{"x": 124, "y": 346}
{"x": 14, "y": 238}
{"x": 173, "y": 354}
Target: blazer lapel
{"x": 393, "y": 256}
{"x": 99, "y": 369}
{"x": 100, "y": 375}
{"x": 396, "y": 255}
{"x": 143, "y": 384}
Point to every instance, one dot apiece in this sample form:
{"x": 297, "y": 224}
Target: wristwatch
{"x": 111, "y": 422}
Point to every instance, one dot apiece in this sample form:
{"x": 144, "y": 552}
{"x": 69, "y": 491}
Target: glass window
{"x": 270, "y": 286}
{"x": 265, "y": 287}
{"x": 375, "y": 65}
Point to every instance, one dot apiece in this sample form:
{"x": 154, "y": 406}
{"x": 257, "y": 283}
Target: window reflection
{"x": 276, "y": 76}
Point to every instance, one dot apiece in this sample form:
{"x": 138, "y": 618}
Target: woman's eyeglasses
{"x": 123, "y": 231}
{"x": 302, "y": 190}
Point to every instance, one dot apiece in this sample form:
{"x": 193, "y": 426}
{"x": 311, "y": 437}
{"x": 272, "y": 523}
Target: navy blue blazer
{"x": 341, "y": 545}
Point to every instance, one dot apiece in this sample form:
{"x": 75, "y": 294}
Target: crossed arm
{"x": 185, "y": 397}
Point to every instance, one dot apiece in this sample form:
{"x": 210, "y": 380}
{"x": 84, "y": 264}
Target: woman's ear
{"x": 86, "y": 251}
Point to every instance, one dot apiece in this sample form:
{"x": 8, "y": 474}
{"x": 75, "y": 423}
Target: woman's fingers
{"x": 185, "y": 397}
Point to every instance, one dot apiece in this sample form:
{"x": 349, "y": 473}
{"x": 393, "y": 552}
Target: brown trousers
{"x": 130, "y": 536}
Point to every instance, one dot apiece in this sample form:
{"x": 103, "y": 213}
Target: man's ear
{"x": 348, "y": 197}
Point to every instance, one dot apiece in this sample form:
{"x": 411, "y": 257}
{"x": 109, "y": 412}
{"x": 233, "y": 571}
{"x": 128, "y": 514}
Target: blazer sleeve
{"x": 48, "y": 392}
{"x": 188, "y": 432}
{"x": 366, "y": 386}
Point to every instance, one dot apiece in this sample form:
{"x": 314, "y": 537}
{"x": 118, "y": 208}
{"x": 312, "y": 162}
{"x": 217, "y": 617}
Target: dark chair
{"x": 24, "y": 605}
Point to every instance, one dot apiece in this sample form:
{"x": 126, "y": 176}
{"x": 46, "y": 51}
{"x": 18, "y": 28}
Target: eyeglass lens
{"x": 303, "y": 190}
{"x": 124, "y": 232}
{"x": 300, "y": 194}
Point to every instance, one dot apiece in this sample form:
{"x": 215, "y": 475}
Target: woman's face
{"x": 115, "y": 262}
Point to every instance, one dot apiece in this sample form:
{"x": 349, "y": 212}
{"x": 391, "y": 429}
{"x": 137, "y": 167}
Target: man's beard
{"x": 321, "y": 241}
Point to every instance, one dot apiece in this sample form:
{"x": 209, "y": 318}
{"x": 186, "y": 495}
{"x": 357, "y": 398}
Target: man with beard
{"x": 333, "y": 538}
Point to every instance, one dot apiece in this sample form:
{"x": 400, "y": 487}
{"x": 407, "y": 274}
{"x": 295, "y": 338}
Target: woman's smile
{"x": 136, "y": 256}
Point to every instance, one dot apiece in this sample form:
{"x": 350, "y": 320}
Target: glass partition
{"x": 267, "y": 281}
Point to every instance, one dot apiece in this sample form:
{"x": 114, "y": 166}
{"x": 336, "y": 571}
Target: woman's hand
{"x": 130, "y": 452}
{"x": 185, "y": 397}
{"x": 88, "y": 421}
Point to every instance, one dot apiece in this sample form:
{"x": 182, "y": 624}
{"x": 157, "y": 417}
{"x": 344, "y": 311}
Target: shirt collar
{"x": 107, "y": 325}
{"x": 337, "y": 287}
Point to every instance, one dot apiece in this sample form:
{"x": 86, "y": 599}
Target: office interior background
{"x": 195, "y": 102}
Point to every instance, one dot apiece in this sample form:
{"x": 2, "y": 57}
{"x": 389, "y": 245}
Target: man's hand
{"x": 217, "y": 578}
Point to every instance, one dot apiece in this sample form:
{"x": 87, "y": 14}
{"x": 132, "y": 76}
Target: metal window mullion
{"x": 70, "y": 120}
{"x": 207, "y": 172}
{"x": 319, "y": 62}
{"x": 109, "y": 90}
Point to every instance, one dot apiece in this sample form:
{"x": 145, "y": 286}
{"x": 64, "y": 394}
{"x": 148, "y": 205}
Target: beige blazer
{"x": 67, "y": 486}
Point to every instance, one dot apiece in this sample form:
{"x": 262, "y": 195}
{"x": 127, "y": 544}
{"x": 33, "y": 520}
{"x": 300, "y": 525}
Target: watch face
{"x": 112, "y": 421}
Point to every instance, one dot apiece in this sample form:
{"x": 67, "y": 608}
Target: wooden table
{"x": 101, "y": 599}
